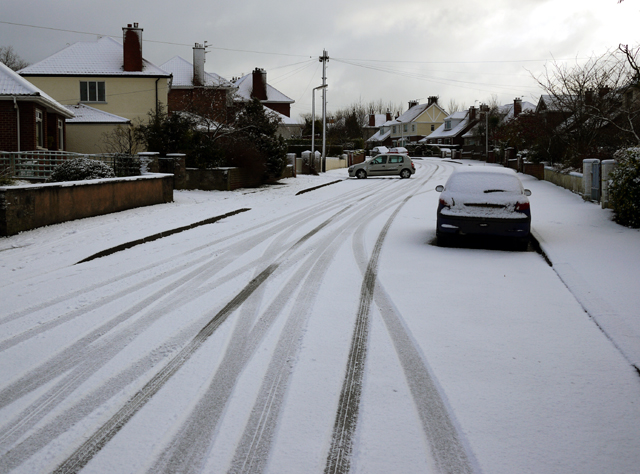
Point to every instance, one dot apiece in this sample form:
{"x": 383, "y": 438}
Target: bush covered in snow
{"x": 624, "y": 187}
{"x": 80, "y": 169}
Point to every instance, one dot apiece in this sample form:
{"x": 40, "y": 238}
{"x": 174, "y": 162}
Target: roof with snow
{"x": 89, "y": 58}
{"x": 379, "y": 119}
{"x": 245, "y": 87}
{"x": 379, "y": 137}
{"x": 507, "y": 109}
{"x": 85, "y": 114}
{"x": 459, "y": 121}
{"x": 415, "y": 111}
{"x": 182, "y": 71}
{"x": 13, "y": 85}
{"x": 553, "y": 104}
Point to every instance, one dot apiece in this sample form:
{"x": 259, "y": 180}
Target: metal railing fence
{"x": 39, "y": 164}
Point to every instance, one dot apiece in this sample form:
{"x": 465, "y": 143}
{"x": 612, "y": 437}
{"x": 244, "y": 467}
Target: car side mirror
{"x": 527, "y": 192}
{"x": 440, "y": 188}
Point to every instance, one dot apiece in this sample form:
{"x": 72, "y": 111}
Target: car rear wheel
{"x": 405, "y": 173}
{"x": 361, "y": 174}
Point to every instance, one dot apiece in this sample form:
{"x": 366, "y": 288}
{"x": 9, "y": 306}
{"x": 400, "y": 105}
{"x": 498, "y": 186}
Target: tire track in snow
{"x": 448, "y": 449}
{"x": 191, "y": 442}
{"x": 106, "y": 432}
{"x": 86, "y": 365}
{"x": 253, "y": 450}
{"x": 339, "y": 457}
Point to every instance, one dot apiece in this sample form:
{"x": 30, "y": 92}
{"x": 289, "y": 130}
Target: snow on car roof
{"x": 479, "y": 180}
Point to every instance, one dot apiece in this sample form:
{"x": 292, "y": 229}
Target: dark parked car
{"x": 484, "y": 201}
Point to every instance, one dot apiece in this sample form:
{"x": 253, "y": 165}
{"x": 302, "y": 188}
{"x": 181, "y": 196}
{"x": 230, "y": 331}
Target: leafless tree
{"x": 454, "y": 106}
{"x": 123, "y": 139}
{"x": 595, "y": 104}
{"x": 11, "y": 59}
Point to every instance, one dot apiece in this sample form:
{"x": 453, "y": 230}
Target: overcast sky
{"x": 390, "y": 50}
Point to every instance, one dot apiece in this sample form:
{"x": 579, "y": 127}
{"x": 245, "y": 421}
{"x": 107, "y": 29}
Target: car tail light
{"x": 522, "y": 206}
{"x": 445, "y": 203}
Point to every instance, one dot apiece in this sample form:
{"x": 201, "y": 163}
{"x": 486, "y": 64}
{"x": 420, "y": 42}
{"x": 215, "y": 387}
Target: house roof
{"x": 415, "y": 111}
{"x": 90, "y": 58}
{"x": 552, "y": 103}
{"x": 182, "y": 71}
{"x": 379, "y": 120}
{"x": 462, "y": 117}
{"x": 245, "y": 87}
{"x": 507, "y": 110}
{"x": 12, "y": 85}
{"x": 85, "y": 114}
{"x": 379, "y": 137}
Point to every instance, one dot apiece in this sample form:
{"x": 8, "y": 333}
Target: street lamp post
{"x": 313, "y": 120}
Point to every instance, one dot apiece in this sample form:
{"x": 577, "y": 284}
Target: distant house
{"x": 196, "y": 91}
{"x": 450, "y": 133}
{"x": 371, "y": 131}
{"x": 104, "y": 74}
{"x": 29, "y": 118}
{"x": 418, "y": 122}
{"x": 475, "y": 139}
{"x": 255, "y": 85}
{"x": 383, "y": 136}
{"x": 86, "y": 131}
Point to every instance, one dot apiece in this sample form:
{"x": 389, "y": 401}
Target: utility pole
{"x": 324, "y": 59}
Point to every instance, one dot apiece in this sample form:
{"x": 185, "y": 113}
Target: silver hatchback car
{"x": 384, "y": 165}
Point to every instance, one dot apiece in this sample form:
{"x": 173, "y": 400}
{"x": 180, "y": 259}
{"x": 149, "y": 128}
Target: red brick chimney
{"x": 259, "y": 84}
{"x": 132, "y": 48}
{"x": 517, "y": 107}
{"x": 472, "y": 113}
{"x": 372, "y": 120}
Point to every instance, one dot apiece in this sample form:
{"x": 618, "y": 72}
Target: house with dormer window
{"x": 450, "y": 133}
{"x": 418, "y": 122}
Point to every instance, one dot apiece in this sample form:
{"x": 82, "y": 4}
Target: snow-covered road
{"x": 319, "y": 332}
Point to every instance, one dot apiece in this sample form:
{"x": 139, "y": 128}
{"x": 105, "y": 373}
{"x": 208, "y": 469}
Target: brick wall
{"x": 200, "y": 101}
{"x": 218, "y": 179}
{"x": 28, "y": 207}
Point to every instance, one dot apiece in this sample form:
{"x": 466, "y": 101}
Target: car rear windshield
{"x": 483, "y": 183}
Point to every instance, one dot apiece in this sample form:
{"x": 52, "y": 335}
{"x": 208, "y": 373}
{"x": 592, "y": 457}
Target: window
{"x": 447, "y": 124}
{"x": 413, "y": 128}
{"x": 433, "y": 127}
{"x": 60, "y": 134}
{"x": 39, "y": 129}
{"x": 92, "y": 91}
{"x": 380, "y": 160}
{"x": 393, "y": 129}
{"x": 396, "y": 159}
{"x": 405, "y": 127}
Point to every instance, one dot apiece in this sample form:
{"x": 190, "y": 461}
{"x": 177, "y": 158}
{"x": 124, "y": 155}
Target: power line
{"x": 346, "y": 60}
{"x": 156, "y": 41}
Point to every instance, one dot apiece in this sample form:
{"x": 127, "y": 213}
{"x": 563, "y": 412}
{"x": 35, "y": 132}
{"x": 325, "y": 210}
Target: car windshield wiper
{"x": 495, "y": 191}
